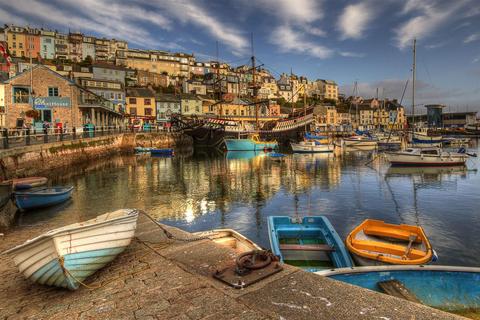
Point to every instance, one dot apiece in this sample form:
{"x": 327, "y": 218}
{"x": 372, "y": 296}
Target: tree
{"x": 88, "y": 60}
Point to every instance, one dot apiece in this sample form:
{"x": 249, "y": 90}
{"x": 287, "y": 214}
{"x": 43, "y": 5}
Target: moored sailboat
{"x": 426, "y": 157}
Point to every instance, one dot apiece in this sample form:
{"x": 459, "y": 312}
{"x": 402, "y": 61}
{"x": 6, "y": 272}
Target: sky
{"x": 365, "y": 41}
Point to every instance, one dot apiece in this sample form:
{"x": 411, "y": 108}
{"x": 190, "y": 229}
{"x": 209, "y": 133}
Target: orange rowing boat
{"x": 375, "y": 242}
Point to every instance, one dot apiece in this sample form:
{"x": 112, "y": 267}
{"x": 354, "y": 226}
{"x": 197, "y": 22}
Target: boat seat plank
{"x": 387, "y": 248}
{"x": 394, "y": 233}
{"x": 307, "y": 247}
{"x": 397, "y": 289}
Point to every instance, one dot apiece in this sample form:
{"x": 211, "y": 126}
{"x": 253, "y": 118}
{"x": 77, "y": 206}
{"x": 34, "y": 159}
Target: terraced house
{"x": 141, "y": 106}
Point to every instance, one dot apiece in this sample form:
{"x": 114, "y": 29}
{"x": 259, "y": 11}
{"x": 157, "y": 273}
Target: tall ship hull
{"x": 213, "y": 132}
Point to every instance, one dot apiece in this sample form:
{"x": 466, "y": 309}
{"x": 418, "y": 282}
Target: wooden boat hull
{"x": 229, "y": 238}
{"x": 27, "y": 200}
{"x": 311, "y": 148}
{"x": 65, "y": 257}
{"x": 27, "y": 183}
{"x": 309, "y": 242}
{"x": 444, "y": 287}
{"x": 359, "y": 143}
{"x": 402, "y": 159}
{"x": 375, "y": 242}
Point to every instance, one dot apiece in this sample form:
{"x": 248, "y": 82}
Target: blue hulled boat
{"x": 43, "y": 197}
{"x": 445, "y": 287}
{"x": 310, "y": 243}
{"x": 163, "y": 152}
{"x": 253, "y": 143}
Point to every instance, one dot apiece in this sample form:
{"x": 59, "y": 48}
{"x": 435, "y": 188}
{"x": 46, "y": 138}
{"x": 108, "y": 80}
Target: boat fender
{"x": 434, "y": 256}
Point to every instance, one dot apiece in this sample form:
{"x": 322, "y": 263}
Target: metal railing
{"x": 14, "y": 138}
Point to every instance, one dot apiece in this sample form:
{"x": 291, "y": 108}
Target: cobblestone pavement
{"x": 173, "y": 282}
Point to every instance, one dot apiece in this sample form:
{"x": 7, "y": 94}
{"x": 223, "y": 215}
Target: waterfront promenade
{"x": 158, "y": 278}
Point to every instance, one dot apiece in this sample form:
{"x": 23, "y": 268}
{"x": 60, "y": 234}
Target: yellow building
{"x": 140, "y": 105}
{"x": 16, "y": 41}
{"x": 326, "y": 118}
{"x": 174, "y": 64}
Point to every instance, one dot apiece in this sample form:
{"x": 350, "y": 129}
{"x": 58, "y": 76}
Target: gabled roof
{"x": 38, "y": 66}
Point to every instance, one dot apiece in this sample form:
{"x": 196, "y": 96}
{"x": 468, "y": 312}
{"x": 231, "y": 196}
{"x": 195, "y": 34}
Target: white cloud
{"x": 472, "y": 38}
{"x": 349, "y": 54}
{"x": 192, "y": 12}
{"x": 298, "y": 11}
{"x": 429, "y": 16}
{"x": 289, "y": 40}
{"x": 354, "y": 20}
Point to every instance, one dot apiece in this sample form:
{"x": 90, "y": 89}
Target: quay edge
{"x": 175, "y": 282}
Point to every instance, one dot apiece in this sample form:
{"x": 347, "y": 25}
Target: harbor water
{"x": 207, "y": 190}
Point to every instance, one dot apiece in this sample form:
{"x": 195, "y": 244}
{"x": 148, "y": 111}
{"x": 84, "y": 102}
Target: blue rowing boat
{"x": 163, "y": 152}
{"x": 448, "y": 288}
{"x": 43, "y": 197}
{"x": 310, "y": 243}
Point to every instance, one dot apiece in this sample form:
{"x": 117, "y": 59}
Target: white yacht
{"x": 426, "y": 157}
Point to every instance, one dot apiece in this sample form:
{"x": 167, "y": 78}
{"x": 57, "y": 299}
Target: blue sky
{"x": 368, "y": 41}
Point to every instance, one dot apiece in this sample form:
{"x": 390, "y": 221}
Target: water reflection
{"x": 206, "y": 190}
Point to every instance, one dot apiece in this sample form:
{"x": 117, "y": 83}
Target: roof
{"x": 188, "y": 96}
{"x": 140, "y": 92}
{"x": 43, "y": 67}
{"x": 167, "y": 97}
{"x": 107, "y": 66}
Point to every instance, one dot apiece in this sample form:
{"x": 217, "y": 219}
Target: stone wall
{"x": 44, "y": 159}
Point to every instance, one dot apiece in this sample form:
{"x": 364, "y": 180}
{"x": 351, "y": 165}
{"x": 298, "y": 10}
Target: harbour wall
{"x": 43, "y": 158}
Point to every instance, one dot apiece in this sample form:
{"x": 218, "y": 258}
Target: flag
{"x": 3, "y": 51}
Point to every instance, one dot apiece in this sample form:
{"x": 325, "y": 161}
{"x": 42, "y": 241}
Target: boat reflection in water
{"x": 244, "y": 155}
{"x": 430, "y": 171}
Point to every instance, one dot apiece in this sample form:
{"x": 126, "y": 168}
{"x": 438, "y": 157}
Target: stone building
{"x": 56, "y": 101}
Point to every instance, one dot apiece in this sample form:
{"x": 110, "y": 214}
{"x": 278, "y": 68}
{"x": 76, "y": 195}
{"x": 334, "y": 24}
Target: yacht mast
{"x": 413, "y": 82}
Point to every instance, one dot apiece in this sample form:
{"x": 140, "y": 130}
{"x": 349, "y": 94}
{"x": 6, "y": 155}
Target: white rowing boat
{"x": 66, "y": 256}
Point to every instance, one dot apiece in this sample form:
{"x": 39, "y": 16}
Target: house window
{"x": 20, "y": 95}
{"x": 148, "y": 111}
{"x": 147, "y": 102}
{"x": 112, "y": 95}
{"x": 133, "y": 111}
{"x": 52, "y": 91}
{"x": 132, "y": 100}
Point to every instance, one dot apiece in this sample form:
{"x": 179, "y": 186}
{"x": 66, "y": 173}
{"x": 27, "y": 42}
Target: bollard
{"x": 27, "y": 137}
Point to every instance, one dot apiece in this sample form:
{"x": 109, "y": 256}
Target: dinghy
{"x": 66, "y": 256}
{"x": 450, "y": 288}
{"x": 310, "y": 243}
{"x": 375, "y": 242}
{"x": 229, "y": 238}
{"x": 27, "y": 183}
{"x": 310, "y": 146}
{"x": 40, "y": 198}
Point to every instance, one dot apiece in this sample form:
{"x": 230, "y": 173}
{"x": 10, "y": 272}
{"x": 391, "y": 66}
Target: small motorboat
{"x": 311, "y": 146}
{"x": 27, "y": 183}
{"x": 375, "y": 242}
{"x": 251, "y": 143}
{"x": 360, "y": 141}
{"x": 310, "y": 243}
{"x": 163, "y": 152}
{"x": 229, "y": 238}
{"x": 449, "y": 288}
{"x": 66, "y": 256}
{"x": 42, "y": 197}
{"x": 426, "y": 157}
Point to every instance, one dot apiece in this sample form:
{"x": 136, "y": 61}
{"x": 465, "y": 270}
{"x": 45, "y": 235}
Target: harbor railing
{"x": 14, "y": 138}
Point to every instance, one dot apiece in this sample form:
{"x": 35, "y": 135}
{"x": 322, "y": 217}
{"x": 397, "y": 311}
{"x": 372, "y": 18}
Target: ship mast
{"x": 413, "y": 82}
{"x": 219, "y": 84}
{"x": 254, "y": 89}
